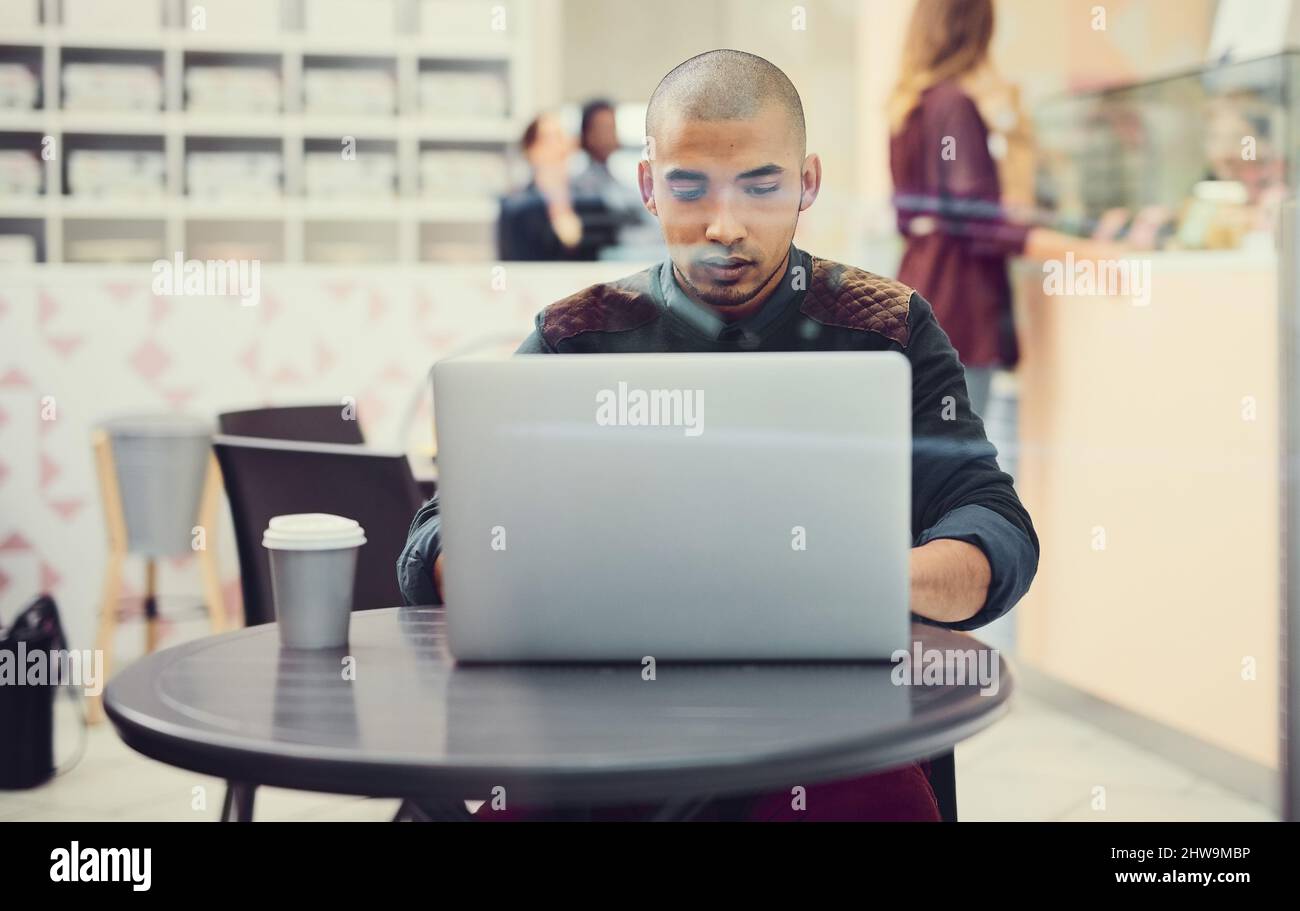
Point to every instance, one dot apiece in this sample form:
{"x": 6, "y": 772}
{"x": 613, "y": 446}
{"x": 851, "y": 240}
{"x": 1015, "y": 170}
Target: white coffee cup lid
{"x": 313, "y": 531}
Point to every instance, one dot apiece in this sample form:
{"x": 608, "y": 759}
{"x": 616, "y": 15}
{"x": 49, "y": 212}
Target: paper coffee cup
{"x": 313, "y": 564}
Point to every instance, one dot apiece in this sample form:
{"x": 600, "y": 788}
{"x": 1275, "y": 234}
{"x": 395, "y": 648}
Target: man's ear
{"x": 811, "y": 181}
{"x": 646, "y": 181}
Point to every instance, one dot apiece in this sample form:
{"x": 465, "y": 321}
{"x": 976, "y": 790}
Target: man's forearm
{"x": 950, "y": 580}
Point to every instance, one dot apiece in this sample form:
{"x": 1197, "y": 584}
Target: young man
{"x": 727, "y": 175}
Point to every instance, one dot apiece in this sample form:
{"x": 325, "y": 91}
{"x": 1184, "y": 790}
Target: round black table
{"x": 393, "y": 715}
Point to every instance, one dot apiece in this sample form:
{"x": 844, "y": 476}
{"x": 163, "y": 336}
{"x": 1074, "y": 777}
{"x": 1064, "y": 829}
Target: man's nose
{"x": 724, "y": 226}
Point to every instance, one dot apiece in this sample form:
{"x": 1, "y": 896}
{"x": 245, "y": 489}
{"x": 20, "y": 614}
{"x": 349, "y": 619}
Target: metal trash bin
{"x": 161, "y": 462}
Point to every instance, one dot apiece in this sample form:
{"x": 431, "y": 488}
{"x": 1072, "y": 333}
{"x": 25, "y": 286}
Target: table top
{"x": 414, "y": 723}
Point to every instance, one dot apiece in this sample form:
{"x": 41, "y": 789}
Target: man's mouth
{"x": 726, "y": 270}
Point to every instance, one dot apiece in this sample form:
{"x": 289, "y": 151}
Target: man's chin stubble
{"x": 726, "y": 301}
{"x": 732, "y": 299}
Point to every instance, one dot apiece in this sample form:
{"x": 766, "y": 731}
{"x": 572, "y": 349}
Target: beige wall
{"x": 1051, "y": 47}
{"x": 622, "y": 50}
{"x": 1149, "y": 462}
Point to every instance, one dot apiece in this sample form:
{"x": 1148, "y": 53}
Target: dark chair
{"x": 943, "y": 779}
{"x": 304, "y": 423}
{"x": 266, "y": 478}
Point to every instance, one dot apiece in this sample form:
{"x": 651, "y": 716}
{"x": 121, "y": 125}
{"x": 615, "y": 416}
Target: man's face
{"x": 728, "y": 194}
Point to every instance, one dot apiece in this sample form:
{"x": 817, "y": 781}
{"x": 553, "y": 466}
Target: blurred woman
{"x": 541, "y": 222}
{"x": 950, "y": 112}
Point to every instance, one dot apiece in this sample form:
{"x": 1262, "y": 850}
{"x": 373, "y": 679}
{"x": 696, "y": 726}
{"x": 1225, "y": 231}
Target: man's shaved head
{"x": 724, "y": 85}
{"x": 726, "y": 171}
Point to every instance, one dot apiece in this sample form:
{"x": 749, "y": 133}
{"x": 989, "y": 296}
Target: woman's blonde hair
{"x": 945, "y": 40}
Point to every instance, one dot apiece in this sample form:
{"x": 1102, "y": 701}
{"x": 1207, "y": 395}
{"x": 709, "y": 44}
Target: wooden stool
{"x": 119, "y": 548}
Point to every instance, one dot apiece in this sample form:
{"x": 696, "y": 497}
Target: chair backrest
{"x": 266, "y": 478}
{"x": 305, "y": 423}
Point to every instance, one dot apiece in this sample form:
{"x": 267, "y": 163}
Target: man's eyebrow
{"x": 683, "y": 174}
{"x": 767, "y": 170}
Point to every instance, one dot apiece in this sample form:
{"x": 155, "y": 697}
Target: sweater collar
{"x": 705, "y": 321}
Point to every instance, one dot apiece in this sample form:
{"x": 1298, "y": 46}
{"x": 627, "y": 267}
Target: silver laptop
{"x": 747, "y": 506}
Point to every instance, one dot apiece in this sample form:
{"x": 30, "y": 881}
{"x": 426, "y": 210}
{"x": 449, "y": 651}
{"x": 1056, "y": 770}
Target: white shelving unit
{"x": 411, "y": 226}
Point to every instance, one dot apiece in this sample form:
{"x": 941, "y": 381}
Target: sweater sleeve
{"x": 960, "y": 168}
{"x": 958, "y": 490}
{"x": 536, "y": 342}
{"x": 415, "y": 563}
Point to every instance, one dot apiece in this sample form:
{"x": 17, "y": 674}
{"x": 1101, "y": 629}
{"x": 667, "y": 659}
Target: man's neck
{"x": 740, "y": 311}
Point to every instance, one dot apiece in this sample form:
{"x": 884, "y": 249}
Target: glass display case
{"x": 1200, "y": 160}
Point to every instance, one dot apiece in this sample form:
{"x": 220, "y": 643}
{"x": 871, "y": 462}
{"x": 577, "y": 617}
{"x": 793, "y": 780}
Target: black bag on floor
{"x": 27, "y": 710}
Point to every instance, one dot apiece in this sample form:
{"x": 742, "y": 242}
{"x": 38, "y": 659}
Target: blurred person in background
{"x": 962, "y": 216}
{"x": 615, "y": 204}
{"x": 544, "y": 221}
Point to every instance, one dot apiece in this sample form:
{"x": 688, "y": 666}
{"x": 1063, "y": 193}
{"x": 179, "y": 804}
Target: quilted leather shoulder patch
{"x": 610, "y": 307}
{"x": 841, "y": 295}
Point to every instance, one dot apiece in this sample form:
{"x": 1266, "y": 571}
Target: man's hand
{"x": 950, "y": 580}
{"x": 437, "y": 576}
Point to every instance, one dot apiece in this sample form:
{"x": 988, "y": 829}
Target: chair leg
{"x": 410, "y": 811}
{"x": 238, "y": 805}
{"x": 433, "y": 811}
{"x": 107, "y": 629}
{"x": 151, "y": 630}
{"x": 683, "y": 810}
{"x": 115, "y": 526}
{"x": 213, "y": 599}
{"x": 216, "y": 602}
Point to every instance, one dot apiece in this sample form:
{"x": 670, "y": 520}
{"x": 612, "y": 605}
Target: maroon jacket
{"x": 958, "y": 238}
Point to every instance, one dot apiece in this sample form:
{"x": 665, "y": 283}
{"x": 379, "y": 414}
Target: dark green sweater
{"x": 958, "y": 491}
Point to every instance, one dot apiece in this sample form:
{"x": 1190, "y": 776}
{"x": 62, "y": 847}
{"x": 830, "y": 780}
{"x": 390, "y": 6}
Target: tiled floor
{"x": 113, "y": 782}
{"x": 1036, "y": 764}
{"x": 1042, "y": 764}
